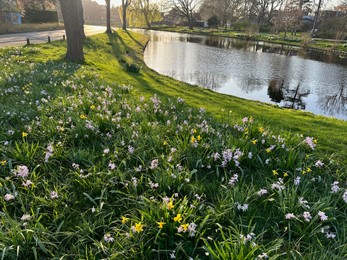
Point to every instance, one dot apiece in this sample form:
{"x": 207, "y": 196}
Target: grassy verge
{"x": 11, "y": 28}
{"x": 300, "y": 40}
{"x": 99, "y": 162}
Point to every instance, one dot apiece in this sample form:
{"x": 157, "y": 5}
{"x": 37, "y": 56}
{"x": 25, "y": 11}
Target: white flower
{"x": 8, "y": 197}
{"x": 262, "y": 192}
{"x": 172, "y": 255}
{"x": 322, "y": 216}
{"x": 21, "y": 171}
{"x": 303, "y": 203}
{"x": 27, "y": 183}
{"x": 108, "y": 238}
{"x": 263, "y": 256}
{"x": 54, "y": 195}
{"x": 25, "y": 217}
{"x": 154, "y": 164}
{"x": 233, "y": 180}
{"x": 307, "y": 216}
{"x": 344, "y": 196}
{"x": 290, "y": 216}
{"x": 106, "y": 151}
{"x": 297, "y": 180}
{"x": 335, "y": 187}
{"x": 319, "y": 164}
{"x": 112, "y": 165}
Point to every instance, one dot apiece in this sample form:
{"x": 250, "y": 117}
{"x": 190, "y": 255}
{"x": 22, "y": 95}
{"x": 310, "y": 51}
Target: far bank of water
{"x": 288, "y": 77}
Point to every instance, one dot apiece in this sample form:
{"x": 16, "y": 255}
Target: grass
{"x": 97, "y": 162}
{"x": 12, "y": 28}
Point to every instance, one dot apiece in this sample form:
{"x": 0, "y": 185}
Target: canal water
{"x": 286, "y": 76}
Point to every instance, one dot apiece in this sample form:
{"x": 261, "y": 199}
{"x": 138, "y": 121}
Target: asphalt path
{"x": 20, "y": 39}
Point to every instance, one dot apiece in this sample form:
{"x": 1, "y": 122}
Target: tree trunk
{"x": 124, "y": 7}
{"x": 81, "y": 18}
{"x": 108, "y": 16}
{"x": 69, "y": 9}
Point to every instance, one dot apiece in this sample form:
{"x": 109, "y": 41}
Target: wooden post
{"x": 28, "y": 41}
{"x": 63, "y": 37}
{"x": 49, "y": 39}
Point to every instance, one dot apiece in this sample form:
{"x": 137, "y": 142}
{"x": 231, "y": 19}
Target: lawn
{"x": 98, "y": 162}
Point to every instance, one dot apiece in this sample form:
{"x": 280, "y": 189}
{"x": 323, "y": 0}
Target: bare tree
{"x": 69, "y": 9}
{"x": 125, "y": 4}
{"x": 186, "y": 8}
{"x": 81, "y": 18}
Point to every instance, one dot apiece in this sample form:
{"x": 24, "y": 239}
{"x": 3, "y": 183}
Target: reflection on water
{"x": 287, "y": 76}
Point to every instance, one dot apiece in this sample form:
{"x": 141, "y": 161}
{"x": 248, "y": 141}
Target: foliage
{"x": 213, "y": 21}
{"x": 91, "y": 168}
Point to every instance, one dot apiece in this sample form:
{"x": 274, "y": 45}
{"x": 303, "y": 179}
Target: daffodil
{"x": 199, "y": 138}
{"x": 138, "y": 227}
{"x": 261, "y": 129}
{"x": 274, "y": 172}
{"x": 160, "y": 224}
{"x": 254, "y": 141}
{"x": 92, "y": 107}
{"x": 192, "y": 139}
{"x": 268, "y": 150}
{"x": 185, "y": 227}
{"x": 170, "y": 205}
{"x": 285, "y": 174}
{"x": 178, "y": 218}
{"x": 83, "y": 116}
{"x": 124, "y": 220}
{"x": 24, "y": 134}
{"x": 3, "y": 162}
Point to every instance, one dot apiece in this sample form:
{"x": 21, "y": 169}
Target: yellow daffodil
{"x": 164, "y": 143}
{"x": 194, "y": 131}
{"x": 254, "y": 141}
{"x": 268, "y": 150}
{"x": 308, "y": 169}
{"x": 170, "y": 205}
{"x": 124, "y": 220}
{"x": 92, "y": 107}
{"x": 138, "y": 227}
{"x": 178, "y": 218}
{"x": 3, "y": 162}
{"x": 192, "y": 139}
{"x": 24, "y": 134}
{"x": 185, "y": 227}
{"x": 285, "y": 174}
{"x": 199, "y": 138}
{"x": 274, "y": 172}
{"x": 261, "y": 129}
{"x": 160, "y": 224}
{"x": 83, "y": 116}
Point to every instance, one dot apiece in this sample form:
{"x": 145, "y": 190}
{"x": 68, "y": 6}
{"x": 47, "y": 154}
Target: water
{"x": 273, "y": 74}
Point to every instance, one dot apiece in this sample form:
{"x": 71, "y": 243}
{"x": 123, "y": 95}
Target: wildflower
{"x": 170, "y": 205}
{"x": 54, "y": 195}
{"x": 254, "y": 141}
{"x": 274, "y": 172}
{"x": 307, "y": 216}
{"x": 112, "y": 165}
{"x": 124, "y": 220}
{"x": 262, "y": 192}
{"x": 199, "y": 138}
{"x": 8, "y": 197}
{"x": 154, "y": 164}
{"x": 297, "y": 180}
{"x": 106, "y": 151}
{"x": 250, "y": 155}
{"x": 330, "y": 235}
{"x": 165, "y": 143}
{"x": 160, "y": 224}
{"x": 137, "y": 228}
{"x": 83, "y": 116}
{"x": 335, "y": 187}
{"x": 310, "y": 142}
{"x": 108, "y": 238}
{"x": 263, "y": 256}
{"x": 285, "y": 174}
{"x": 322, "y": 216}
{"x": 192, "y": 229}
{"x": 233, "y": 180}
{"x": 344, "y": 196}
{"x": 25, "y": 217}
{"x": 303, "y": 203}
{"x": 319, "y": 164}
{"x": 92, "y": 107}
{"x": 134, "y": 181}
{"x": 24, "y": 134}
{"x": 178, "y": 218}
{"x": 153, "y": 185}
{"x": 172, "y": 255}
{"x": 278, "y": 185}
{"x": 27, "y": 183}
{"x": 3, "y": 162}
{"x": 290, "y": 216}
{"x": 49, "y": 152}
{"x": 93, "y": 209}
{"x": 21, "y": 171}
{"x": 241, "y": 207}
{"x": 185, "y": 227}
{"x": 261, "y": 129}
{"x": 131, "y": 149}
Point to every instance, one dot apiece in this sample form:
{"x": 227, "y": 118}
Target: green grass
{"x": 11, "y": 28}
{"x": 93, "y": 157}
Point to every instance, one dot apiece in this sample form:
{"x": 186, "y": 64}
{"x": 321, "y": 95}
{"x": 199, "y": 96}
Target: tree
{"x": 123, "y": 14}
{"x": 143, "y": 13}
{"x": 213, "y": 21}
{"x": 41, "y": 5}
{"x": 186, "y": 8}
{"x": 81, "y": 18}
{"x": 108, "y": 16}
{"x": 69, "y": 9}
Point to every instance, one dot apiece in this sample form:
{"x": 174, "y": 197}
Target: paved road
{"x": 19, "y": 39}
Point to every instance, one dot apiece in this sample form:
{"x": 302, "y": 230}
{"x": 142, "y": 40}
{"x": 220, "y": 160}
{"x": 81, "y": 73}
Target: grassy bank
{"x": 299, "y": 40}
{"x": 99, "y": 162}
{"x": 13, "y": 28}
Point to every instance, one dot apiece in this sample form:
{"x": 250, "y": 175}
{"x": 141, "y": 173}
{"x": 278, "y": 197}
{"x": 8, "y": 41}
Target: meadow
{"x": 98, "y": 162}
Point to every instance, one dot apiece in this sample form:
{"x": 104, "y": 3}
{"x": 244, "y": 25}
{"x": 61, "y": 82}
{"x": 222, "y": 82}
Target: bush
{"x": 213, "y": 21}
{"x": 133, "y": 68}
